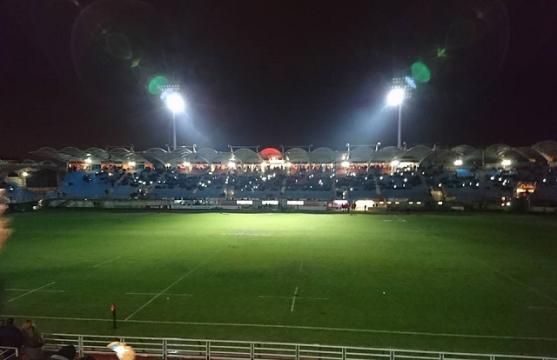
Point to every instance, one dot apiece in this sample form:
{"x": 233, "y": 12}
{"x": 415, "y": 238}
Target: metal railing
{"x": 172, "y": 348}
{"x": 9, "y": 353}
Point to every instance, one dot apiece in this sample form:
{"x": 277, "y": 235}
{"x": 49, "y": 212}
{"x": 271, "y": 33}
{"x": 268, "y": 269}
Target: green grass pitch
{"x": 466, "y": 282}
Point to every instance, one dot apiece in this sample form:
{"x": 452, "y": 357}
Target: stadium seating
{"x": 460, "y": 175}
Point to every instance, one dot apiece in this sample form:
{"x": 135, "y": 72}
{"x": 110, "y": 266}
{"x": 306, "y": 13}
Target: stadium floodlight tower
{"x": 174, "y": 101}
{"x": 395, "y": 97}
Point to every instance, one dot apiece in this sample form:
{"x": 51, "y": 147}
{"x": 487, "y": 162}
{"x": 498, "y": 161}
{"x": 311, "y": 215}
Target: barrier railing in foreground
{"x": 9, "y": 353}
{"x": 169, "y": 348}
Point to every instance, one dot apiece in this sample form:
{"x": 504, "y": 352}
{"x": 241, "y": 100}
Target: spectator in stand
{"x": 67, "y": 352}
{"x": 32, "y": 341}
{"x": 10, "y": 335}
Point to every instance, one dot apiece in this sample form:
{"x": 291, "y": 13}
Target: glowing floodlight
{"x": 345, "y": 164}
{"x": 395, "y": 97}
{"x": 506, "y": 162}
{"x": 175, "y": 102}
{"x": 458, "y": 162}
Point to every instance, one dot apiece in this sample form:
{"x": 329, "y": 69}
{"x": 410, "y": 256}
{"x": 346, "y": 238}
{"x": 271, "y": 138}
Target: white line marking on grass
{"x": 31, "y": 292}
{"x": 277, "y": 297}
{"x": 159, "y": 294}
{"x": 295, "y": 327}
{"x": 151, "y": 294}
{"x": 45, "y": 291}
{"x": 107, "y": 262}
{"x": 294, "y": 299}
{"x": 290, "y": 297}
{"x": 516, "y": 281}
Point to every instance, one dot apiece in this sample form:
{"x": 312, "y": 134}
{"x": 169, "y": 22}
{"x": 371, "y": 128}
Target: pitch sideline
{"x": 296, "y": 327}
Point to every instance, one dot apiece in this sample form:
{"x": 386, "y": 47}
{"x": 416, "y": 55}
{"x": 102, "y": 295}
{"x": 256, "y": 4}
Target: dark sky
{"x": 75, "y": 73}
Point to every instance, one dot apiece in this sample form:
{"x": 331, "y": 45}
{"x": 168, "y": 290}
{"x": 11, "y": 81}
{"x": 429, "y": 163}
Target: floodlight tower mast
{"x": 174, "y": 101}
{"x": 400, "y": 91}
{"x": 395, "y": 97}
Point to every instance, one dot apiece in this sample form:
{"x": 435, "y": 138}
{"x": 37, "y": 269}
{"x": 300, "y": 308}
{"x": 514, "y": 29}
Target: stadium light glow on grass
{"x": 101, "y": 256}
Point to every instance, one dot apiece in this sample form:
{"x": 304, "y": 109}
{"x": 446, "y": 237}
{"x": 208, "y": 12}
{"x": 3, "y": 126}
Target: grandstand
{"x": 418, "y": 176}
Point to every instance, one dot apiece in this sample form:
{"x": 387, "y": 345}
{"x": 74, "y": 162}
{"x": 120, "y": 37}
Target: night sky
{"x": 266, "y": 72}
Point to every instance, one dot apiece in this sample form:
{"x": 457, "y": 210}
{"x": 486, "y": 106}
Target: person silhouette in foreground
{"x": 10, "y": 336}
{"x": 32, "y": 341}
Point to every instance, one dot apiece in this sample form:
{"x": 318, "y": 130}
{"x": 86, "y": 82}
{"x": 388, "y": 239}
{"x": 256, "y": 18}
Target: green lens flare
{"x": 156, "y": 84}
{"x": 420, "y": 72}
{"x": 135, "y": 63}
{"x": 441, "y": 52}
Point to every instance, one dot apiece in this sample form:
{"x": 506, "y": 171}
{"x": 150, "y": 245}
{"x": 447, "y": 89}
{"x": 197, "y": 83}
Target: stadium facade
{"x": 363, "y": 176}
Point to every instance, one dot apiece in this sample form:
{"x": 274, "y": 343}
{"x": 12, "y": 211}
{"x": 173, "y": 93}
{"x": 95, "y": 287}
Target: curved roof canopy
{"x": 207, "y": 153}
{"x": 463, "y": 150}
{"x": 416, "y": 153}
{"x": 387, "y": 154}
{"x": 361, "y": 154}
{"x": 196, "y": 158}
{"x": 497, "y": 150}
{"x": 542, "y": 152}
{"x": 270, "y": 153}
{"x": 547, "y": 148}
{"x": 322, "y": 155}
{"x": 247, "y": 156}
{"x": 297, "y": 155}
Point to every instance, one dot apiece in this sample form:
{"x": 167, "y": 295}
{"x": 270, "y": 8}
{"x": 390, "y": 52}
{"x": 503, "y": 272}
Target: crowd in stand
{"x": 29, "y": 342}
{"x": 26, "y": 338}
{"x": 308, "y": 182}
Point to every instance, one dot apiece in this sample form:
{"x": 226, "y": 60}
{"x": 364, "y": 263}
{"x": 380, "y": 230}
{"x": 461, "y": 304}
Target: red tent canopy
{"x": 270, "y": 152}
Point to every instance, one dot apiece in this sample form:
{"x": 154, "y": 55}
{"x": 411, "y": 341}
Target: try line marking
{"x": 295, "y": 327}
{"x": 542, "y": 308}
{"x": 42, "y": 291}
{"x": 159, "y": 294}
{"x": 293, "y": 297}
{"x": 29, "y": 292}
{"x": 150, "y": 294}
